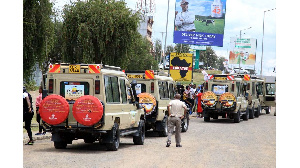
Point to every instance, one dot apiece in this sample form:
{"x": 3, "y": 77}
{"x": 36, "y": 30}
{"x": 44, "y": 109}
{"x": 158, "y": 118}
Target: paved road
{"x": 219, "y": 143}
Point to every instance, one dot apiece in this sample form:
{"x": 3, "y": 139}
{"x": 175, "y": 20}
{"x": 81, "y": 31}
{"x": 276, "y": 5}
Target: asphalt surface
{"x": 219, "y": 143}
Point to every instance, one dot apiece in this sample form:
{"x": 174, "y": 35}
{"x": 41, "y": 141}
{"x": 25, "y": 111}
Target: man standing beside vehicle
{"x": 176, "y": 114}
{"x": 27, "y": 114}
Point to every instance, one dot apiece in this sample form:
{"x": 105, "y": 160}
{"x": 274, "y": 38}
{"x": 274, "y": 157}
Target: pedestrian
{"x": 27, "y": 114}
{"x": 38, "y": 116}
{"x": 199, "y": 107}
{"x": 176, "y": 114}
{"x": 187, "y": 98}
{"x": 184, "y": 21}
{"x": 205, "y": 75}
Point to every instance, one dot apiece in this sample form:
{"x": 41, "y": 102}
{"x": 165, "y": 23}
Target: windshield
{"x": 270, "y": 89}
{"x": 219, "y": 89}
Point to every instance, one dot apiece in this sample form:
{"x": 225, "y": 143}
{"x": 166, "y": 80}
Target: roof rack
{"x": 111, "y": 67}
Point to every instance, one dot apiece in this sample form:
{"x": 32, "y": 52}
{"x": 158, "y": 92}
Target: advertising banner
{"x": 199, "y": 22}
{"x": 181, "y": 66}
{"x": 243, "y": 51}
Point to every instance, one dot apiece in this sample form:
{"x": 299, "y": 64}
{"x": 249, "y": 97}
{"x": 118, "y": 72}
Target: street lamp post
{"x": 240, "y": 53}
{"x": 262, "y": 43}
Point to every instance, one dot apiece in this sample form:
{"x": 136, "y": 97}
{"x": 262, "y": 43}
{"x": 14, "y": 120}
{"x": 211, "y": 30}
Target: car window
{"x": 123, "y": 91}
{"x": 111, "y": 89}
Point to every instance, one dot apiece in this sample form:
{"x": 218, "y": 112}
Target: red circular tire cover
{"x": 87, "y": 110}
{"x": 54, "y": 109}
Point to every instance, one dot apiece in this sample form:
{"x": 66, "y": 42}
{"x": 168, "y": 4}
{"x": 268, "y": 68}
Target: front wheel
{"x": 246, "y": 116}
{"x": 139, "y": 140}
{"x": 237, "y": 117}
{"x": 185, "y": 123}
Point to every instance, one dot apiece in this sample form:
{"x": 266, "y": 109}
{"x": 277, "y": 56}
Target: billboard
{"x": 181, "y": 66}
{"x": 199, "y": 22}
{"x": 243, "y": 51}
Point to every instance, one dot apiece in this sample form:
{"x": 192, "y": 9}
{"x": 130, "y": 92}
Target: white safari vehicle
{"x": 90, "y": 102}
{"x": 162, "y": 88}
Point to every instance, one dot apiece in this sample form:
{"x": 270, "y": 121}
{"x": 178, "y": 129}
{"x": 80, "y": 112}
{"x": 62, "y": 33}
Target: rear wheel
{"x": 164, "y": 124}
{"x": 256, "y": 114}
{"x": 60, "y": 144}
{"x": 115, "y": 136}
{"x": 206, "y": 119}
{"x": 139, "y": 140}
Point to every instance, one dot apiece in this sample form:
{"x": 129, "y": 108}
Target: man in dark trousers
{"x": 176, "y": 113}
{"x": 27, "y": 114}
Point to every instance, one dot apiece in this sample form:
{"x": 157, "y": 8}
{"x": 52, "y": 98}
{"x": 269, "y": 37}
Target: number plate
{"x": 135, "y": 76}
{"x": 74, "y": 68}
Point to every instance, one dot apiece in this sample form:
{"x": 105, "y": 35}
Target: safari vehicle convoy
{"x": 223, "y": 96}
{"x": 237, "y": 96}
{"x": 90, "y": 102}
{"x": 161, "y": 87}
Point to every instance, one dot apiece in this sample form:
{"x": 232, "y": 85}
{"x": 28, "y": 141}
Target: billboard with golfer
{"x": 199, "y": 22}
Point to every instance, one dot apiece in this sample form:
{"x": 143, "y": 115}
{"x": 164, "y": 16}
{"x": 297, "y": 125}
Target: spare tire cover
{"x": 209, "y": 99}
{"x": 87, "y": 110}
{"x": 227, "y": 99}
{"x": 54, "y": 109}
{"x": 147, "y": 101}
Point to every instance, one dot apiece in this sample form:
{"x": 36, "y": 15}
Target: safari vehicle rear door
{"x": 269, "y": 94}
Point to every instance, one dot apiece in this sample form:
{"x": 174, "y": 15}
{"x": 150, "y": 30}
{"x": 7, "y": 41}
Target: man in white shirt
{"x": 185, "y": 19}
{"x": 176, "y": 113}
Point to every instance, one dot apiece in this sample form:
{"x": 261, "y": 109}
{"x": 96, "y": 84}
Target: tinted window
{"x": 259, "y": 88}
{"x": 111, "y": 89}
{"x": 123, "y": 91}
{"x": 163, "y": 89}
{"x": 172, "y": 92}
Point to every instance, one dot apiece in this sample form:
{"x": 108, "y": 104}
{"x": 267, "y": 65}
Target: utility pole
{"x": 262, "y": 43}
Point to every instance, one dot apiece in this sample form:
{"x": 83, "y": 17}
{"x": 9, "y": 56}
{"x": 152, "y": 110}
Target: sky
{"x": 240, "y": 16}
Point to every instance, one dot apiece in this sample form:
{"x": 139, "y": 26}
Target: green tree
{"x": 209, "y": 58}
{"x": 37, "y": 34}
{"x": 141, "y": 58}
{"x": 182, "y": 48}
{"x": 220, "y": 64}
{"x": 99, "y": 31}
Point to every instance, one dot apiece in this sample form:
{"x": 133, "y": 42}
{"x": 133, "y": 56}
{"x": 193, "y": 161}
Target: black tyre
{"x": 115, "y": 136}
{"x": 246, "y": 116}
{"x": 60, "y": 144}
{"x": 237, "y": 117}
{"x": 164, "y": 124}
{"x": 139, "y": 140}
{"x": 215, "y": 117}
{"x": 251, "y": 113}
{"x": 206, "y": 119}
{"x": 268, "y": 110}
{"x": 256, "y": 114}
{"x": 185, "y": 123}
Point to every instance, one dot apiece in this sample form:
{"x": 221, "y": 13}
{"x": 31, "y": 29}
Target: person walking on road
{"x": 176, "y": 113}
{"x": 38, "y": 117}
{"x": 27, "y": 114}
{"x": 199, "y": 107}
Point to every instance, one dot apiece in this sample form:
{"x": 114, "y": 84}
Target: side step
{"x": 128, "y": 132}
